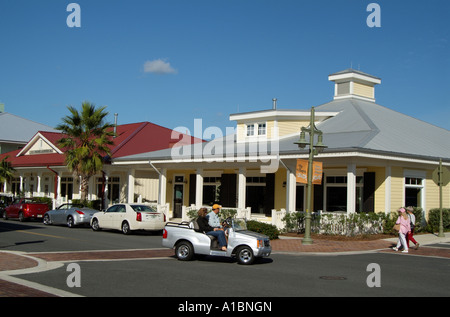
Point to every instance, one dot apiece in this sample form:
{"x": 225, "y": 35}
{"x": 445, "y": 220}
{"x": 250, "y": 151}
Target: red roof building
{"x": 40, "y": 166}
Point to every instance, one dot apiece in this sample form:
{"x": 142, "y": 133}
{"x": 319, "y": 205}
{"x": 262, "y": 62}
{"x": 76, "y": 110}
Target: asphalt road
{"x": 36, "y": 237}
{"x": 279, "y": 276}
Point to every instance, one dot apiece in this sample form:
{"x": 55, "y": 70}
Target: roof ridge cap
{"x": 132, "y": 135}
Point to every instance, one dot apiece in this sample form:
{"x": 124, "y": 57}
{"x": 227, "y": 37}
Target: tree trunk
{"x": 84, "y": 187}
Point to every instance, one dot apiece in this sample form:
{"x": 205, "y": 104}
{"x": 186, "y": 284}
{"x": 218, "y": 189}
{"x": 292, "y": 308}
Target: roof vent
{"x": 115, "y": 123}
{"x": 274, "y": 103}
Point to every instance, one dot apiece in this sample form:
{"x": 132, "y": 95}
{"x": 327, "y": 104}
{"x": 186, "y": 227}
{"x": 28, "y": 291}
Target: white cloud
{"x": 159, "y": 66}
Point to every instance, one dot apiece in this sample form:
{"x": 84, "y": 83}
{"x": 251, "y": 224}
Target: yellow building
{"x": 377, "y": 159}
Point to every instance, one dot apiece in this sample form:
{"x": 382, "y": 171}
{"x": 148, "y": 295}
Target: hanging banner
{"x": 301, "y": 172}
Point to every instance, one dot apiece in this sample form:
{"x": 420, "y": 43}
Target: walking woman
{"x": 403, "y": 221}
{"x": 412, "y": 218}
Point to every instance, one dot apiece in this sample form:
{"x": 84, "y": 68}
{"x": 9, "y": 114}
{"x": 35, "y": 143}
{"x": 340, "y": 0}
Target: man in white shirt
{"x": 213, "y": 217}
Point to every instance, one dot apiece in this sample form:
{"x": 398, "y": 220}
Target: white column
{"x": 387, "y": 190}
{"x": 291, "y": 184}
{"x": 131, "y": 185}
{"x": 162, "y": 187}
{"x": 106, "y": 193}
{"x": 58, "y": 188}
{"x": 351, "y": 187}
{"x": 21, "y": 183}
{"x": 242, "y": 183}
{"x": 38, "y": 187}
{"x": 199, "y": 188}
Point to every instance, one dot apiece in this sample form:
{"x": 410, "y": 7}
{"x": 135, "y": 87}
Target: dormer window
{"x": 256, "y": 129}
{"x": 250, "y": 129}
{"x": 262, "y": 128}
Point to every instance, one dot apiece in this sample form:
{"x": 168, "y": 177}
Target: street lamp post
{"x": 313, "y": 150}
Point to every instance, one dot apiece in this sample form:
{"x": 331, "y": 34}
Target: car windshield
{"x": 239, "y": 224}
{"x": 142, "y": 208}
{"x": 68, "y": 206}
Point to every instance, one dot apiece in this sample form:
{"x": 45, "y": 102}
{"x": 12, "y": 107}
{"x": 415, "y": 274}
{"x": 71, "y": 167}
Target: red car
{"x": 25, "y": 208}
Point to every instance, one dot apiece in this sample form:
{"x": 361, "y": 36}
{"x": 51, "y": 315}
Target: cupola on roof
{"x": 351, "y": 83}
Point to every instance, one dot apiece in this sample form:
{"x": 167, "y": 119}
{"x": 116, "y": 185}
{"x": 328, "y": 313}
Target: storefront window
{"x": 336, "y": 193}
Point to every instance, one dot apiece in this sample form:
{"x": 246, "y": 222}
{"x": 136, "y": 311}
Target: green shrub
{"x": 269, "y": 230}
{"x": 94, "y": 204}
{"x": 46, "y": 200}
{"x": 293, "y": 221}
{"x": 434, "y": 220}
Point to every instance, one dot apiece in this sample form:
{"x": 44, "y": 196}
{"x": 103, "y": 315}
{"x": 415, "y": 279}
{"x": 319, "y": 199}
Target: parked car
{"x": 69, "y": 214}
{"x": 129, "y": 217}
{"x": 5, "y": 201}
{"x": 243, "y": 244}
{"x": 24, "y": 209}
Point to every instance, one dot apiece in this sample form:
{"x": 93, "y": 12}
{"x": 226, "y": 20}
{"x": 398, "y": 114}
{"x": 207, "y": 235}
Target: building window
{"x": 250, "y": 130}
{"x": 15, "y": 185}
{"x": 413, "y": 191}
{"x": 336, "y": 193}
{"x": 113, "y": 189}
{"x": 66, "y": 188}
{"x": 261, "y": 129}
{"x": 211, "y": 190}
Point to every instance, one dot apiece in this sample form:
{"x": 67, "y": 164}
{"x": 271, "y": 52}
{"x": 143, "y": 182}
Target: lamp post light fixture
{"x": 314, "y": 149}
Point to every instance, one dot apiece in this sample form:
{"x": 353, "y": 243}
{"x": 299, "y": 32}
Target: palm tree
{"x": 86, "y": 142}
{"x": 6, "y": 170}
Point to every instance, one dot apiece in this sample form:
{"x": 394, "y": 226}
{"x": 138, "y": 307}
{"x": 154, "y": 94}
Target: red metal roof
{"x": 133, "y": 138}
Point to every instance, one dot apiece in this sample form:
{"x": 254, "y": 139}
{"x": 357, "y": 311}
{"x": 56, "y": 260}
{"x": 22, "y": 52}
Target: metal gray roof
{"x": 367, "y": 125}
{"x": 19, "y": 130}
{"x": 358, "y": 126}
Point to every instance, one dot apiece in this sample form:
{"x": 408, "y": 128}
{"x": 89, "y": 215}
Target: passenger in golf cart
{"x": 204, "y": 227}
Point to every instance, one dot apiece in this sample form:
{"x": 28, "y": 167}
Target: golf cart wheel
{"x": 184, "y": 251}
{"x": 244, "y": 255}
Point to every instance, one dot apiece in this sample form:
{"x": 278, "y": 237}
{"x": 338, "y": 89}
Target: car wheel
{"x": 70, "y": 222}
{"x": 184, "y": 251}
{"x": 95, "y": 226}
{"x": 126, "y": 228}
{"x": 245, "y": 255}
{"x": 47, "y": 220}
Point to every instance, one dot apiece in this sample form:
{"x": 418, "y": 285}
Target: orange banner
{"x": 301, "y": 172}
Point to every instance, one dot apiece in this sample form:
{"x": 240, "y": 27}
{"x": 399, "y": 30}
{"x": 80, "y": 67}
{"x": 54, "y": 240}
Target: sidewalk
{"x": 320, "y": 246}
{"x": 12, "y": 263}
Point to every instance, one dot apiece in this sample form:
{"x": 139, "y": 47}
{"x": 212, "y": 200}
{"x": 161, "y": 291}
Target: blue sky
{"x": 172, "y": 61}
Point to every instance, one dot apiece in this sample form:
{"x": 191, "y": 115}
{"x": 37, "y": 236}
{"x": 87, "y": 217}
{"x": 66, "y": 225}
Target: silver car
{"x": 243, "y": 244}
{"x": 70, "y": 215}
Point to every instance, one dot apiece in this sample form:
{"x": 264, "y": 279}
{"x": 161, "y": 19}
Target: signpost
{"x": 441, "y": 176}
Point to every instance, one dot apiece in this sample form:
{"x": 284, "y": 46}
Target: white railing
{"x": 185, "y": 210}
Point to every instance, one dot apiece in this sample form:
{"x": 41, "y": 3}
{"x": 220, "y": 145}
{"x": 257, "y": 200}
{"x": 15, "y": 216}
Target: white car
{"x": 129, "y": 217}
